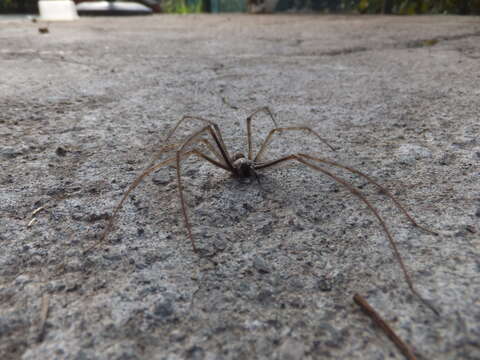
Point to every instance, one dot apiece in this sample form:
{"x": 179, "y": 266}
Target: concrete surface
{"x": 85, "y": 107}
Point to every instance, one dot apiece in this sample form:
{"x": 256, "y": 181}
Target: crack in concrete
{"x": 433, "y": 41}
{"x": 410, "y": 44}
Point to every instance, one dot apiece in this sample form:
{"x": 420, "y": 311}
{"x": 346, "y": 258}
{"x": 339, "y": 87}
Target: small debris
{"x": 226, "y": 102}
{"x": 37, "y": 210}
{"x": 382, "y": 324}
{"x": 60, "y": 151}
{"x": 43, "y": 316}
{"x": 471, "y": 229}
{"x": 33, "y": 221}
{"x": 324, "y": 284}
{"x": 260, "y": 265}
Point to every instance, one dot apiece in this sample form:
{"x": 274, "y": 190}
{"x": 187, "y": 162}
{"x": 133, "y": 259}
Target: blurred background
{"x": 398, "y": 7}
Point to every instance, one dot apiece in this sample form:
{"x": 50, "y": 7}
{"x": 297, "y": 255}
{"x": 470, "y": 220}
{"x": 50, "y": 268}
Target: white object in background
{"x": 52, "y": 10}
{"x": 112, "y": 8}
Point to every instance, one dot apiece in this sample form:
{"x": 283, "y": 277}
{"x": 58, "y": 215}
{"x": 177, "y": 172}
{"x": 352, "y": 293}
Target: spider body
{"x": 241, "y": 166}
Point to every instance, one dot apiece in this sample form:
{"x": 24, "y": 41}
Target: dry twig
{"x": 43, "y": 316}
{"x": 382, "y": 324}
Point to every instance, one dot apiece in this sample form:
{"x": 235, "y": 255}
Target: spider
{"x": 241, "y": 166}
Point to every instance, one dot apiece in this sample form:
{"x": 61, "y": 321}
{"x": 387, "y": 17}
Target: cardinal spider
{"x": 241, "y": 166}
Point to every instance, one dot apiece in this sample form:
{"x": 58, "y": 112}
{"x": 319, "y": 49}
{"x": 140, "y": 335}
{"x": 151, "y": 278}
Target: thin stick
{"x": 382, "y": 324}
{"x": 43, "y": 316}
{"x": 382, "y": 188}
{"x": 37, "y": 210}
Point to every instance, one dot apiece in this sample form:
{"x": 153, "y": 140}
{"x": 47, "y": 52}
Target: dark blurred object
{"x": 152, "y": 4}
{"x": 19, "y": 6}
{"x": 217, "y": 6}
{"x": 387, "y": 6}
{"x": 398, "y": 7}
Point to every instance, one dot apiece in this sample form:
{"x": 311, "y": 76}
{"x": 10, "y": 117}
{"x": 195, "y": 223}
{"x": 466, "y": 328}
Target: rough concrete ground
{"x": 84, "y": 108}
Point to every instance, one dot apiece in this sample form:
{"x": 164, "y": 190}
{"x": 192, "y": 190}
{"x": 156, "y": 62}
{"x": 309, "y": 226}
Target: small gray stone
{"x": 409, "y": 153}
{"x": 261, "y": 265}
{"x": 164, "y": 309}
{"x": 292, "y": 350}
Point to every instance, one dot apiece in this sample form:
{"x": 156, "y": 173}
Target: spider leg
{"x": 132, "y": 186}
{"x": 221, "y": 147}
{"x": 354, "y": 191}
{"x": 175, "y": 146}
{"x": 180, "y": 189}
{"x": 291, "y": 128}
{"x": 369, "y": 179}
{"x": 139, "y": 179}
{"x": 249, "y": 127}
{"x": 214, "y": 151}
{"x": 215, "y": 129}
{"x": 185, "y": 118}
{"x": 225, "y": 155}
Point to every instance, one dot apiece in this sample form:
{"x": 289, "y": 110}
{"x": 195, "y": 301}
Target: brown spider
{"x": 241, "y": 166}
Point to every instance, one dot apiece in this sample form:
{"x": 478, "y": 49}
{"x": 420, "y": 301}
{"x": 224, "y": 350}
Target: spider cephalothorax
{"x": 241, "y": 166}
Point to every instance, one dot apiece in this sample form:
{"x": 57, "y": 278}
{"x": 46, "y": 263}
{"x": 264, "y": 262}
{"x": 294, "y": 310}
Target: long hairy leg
{"x": 192, "y": 139}
{"x": 221, "y": 147}
{"x": 280, "y": 130}
{"x": 185, "y": 118}
{"x": 180, "y": 191}
{"x": 169, "y": 147}
{"x": 249, "y": 127}
{"x": 137, "y": 182}
{"x": 132, "y": 186}
{"x": 354, "y": 191}
{"x": 215, "y": 130}
{"x": 369, "y": 179}
{"x": 224, "y": 153}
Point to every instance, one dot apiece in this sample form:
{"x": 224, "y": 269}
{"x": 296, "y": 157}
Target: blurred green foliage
{"x": 411, "y": 7}
{"x": 182, "y": 6}
{"x": 18, "y": 6}
{"x": 402, "y": 7}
